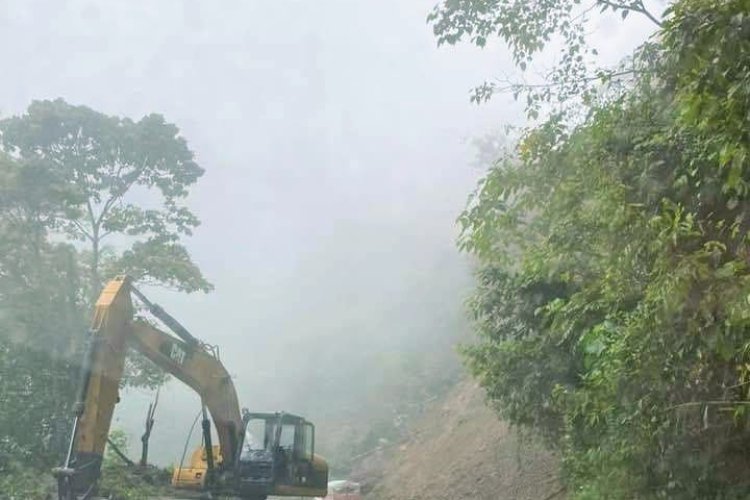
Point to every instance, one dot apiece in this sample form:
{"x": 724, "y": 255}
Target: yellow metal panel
{"x": 201, "y": 371}
{"x": 194, "y": 475}
{"x": 109, "y": 329}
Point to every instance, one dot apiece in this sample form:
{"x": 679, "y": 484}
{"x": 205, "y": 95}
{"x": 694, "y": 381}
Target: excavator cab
{"x": 277, "y": 457}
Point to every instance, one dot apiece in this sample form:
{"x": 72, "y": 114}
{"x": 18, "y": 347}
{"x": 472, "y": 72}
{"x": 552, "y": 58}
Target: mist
{"x": 336, "y": 139}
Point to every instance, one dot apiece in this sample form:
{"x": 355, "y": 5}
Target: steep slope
{"x": 460, "y": 450}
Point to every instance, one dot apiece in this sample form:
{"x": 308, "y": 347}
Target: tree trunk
{"x": 95, "y": 281}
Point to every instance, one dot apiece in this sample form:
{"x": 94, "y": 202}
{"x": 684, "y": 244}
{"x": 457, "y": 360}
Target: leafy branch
{"x": 636, "y": 6}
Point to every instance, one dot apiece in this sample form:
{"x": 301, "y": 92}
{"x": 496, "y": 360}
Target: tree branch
{"x": 639, "y": 7}
{"x": 108, "y": 204}
{"x": 707, "y": 403}
{"x": 90, "y": 210}
{"x": 586, "y": 11}
{"x": 83, "y": 230}
{"x": 648, "y": 14}
{"x": 615, "y": 5}
{"x": 119, "y": 453}
{"x": 510, "y": 86}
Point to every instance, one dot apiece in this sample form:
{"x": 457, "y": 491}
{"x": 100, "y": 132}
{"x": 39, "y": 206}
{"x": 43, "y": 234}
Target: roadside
{"x": 460, "y": 450}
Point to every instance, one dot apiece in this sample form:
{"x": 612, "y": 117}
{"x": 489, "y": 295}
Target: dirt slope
{"x": 460, "y": 450}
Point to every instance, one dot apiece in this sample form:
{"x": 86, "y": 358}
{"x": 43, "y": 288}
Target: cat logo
{"x": 177, "y": 354}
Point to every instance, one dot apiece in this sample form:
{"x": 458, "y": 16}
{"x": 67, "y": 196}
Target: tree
{"x": 41, "y": 310}
{"x": 39, "y": 280}
{"x": 613, "y": 279}
{"x": 115, "y": 168}
{"x": 70, "y": 175}
{"x": 111, "y": 179}
{"x": 527, "y": 28}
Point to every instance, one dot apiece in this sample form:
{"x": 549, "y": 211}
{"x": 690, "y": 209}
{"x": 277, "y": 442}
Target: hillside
{"x": 460, "y": 450}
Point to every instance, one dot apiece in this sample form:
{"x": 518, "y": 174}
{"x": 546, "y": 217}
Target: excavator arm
{"x": 202, "y": 372}
{"x": 113, "y": 330}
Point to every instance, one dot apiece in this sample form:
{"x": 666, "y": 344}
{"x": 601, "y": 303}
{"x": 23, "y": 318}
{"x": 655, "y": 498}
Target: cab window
{"x": 286, "y": 439}
{"x": 305, "y": 441}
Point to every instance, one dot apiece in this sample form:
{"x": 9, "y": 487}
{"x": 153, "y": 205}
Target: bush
{"x": 613, "y": 298}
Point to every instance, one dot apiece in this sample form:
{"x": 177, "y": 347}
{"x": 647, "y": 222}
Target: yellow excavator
{"x": 258, "y": 454}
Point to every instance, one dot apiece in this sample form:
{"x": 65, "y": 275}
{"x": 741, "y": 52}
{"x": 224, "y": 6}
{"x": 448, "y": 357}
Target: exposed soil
{"x": 460, "y": 450}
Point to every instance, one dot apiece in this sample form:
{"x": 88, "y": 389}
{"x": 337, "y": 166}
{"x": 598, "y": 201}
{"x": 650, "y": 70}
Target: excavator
{"x": 258, "y": 454}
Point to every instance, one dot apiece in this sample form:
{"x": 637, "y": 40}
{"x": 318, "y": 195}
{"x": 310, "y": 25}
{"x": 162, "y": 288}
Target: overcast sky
{"x": 334, "y": 134}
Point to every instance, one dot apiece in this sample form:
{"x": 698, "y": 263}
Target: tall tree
{"x": 128, "y": 178}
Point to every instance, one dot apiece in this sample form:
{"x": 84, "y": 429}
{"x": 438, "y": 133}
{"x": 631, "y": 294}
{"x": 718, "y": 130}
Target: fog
{"x": 336, "y": 139}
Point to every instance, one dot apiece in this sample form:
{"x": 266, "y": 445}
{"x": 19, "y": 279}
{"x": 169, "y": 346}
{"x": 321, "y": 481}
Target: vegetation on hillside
{"x": 613, "y": 288}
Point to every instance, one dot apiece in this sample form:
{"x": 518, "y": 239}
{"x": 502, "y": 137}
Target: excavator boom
{"x": 113, "y": 330}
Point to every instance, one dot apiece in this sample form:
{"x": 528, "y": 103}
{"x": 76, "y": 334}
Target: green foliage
{"x": 527, "y": 27}
{"x": 40, "y": 311}
{"x": 124, "y": 482}
{"x": 19, "y": 482}
{"x": 90, "y": 178}
{"x": 35, "y": 405}
{"x": 613, "y": 297}
{"x": 124, "y": 177}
